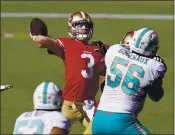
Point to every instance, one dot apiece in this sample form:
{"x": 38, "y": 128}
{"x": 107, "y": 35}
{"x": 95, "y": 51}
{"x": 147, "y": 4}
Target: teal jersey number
{"x": 20, "y": 124}
{"x": 26, "y": 125}
{"x": 128, "y": 79}
{"x": 116, "y": 72}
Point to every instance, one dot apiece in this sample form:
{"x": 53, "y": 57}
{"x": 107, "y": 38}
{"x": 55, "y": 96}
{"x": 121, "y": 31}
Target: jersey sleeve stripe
{"x": 60, "y": 43}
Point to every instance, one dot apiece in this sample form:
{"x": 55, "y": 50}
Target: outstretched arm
{"x": 49, "y": 43}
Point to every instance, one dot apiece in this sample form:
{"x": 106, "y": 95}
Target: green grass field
{"x": 24, "y": 65}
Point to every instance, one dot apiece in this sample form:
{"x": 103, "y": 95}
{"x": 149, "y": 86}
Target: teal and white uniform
{"x": 128, "y": 75}
{"x": 40, "y": 122}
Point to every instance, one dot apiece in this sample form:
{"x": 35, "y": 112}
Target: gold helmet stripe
{"x": 83, "y": 14}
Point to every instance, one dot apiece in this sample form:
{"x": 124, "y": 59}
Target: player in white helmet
{"x": 145, "y": 42}
{"x": 131, "y": 75}
{"x": 46, "y": 117}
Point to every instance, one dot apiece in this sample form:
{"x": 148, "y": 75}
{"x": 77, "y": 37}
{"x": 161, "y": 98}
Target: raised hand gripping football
{"x": 38, "y": 27}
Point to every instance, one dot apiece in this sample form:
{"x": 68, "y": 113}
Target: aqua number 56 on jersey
{"x": 128, "y": 77}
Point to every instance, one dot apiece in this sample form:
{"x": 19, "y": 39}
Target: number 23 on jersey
{"x": 129, "y": 82}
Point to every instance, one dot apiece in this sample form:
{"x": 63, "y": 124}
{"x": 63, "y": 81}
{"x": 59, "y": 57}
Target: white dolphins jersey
{"x": 40, "y": 122}
{"x": 127, "y": 75}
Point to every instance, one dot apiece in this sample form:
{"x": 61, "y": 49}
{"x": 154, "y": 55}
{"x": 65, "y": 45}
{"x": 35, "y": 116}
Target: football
{"x": 38, "y": 27}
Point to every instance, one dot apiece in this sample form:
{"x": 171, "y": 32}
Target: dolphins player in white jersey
{"x": 46, "y": 117}
{"x": 131, "y": 75}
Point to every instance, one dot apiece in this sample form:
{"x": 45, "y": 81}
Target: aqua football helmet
{"x": 145, "y": 42}
{"x": 47, "y": 96}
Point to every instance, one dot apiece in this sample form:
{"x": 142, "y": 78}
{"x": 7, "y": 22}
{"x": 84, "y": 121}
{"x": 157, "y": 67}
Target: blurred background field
{"x": 24, "y": 65}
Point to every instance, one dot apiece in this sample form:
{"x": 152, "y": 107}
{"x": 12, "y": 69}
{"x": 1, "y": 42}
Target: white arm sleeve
{"x": 60, "y": 121}
{"x": 157, "y": 70}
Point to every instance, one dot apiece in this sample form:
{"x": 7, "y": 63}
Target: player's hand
{"x": 37, "y": 27}
{"x": 158, "y": 58}
{"x": 33, "y": 37}
{"x": 101, "y": 46}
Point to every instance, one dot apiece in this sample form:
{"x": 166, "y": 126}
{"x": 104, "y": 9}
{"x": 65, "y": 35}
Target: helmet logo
{"x": 153, "y": 38}
{"x": 142, "y": 43}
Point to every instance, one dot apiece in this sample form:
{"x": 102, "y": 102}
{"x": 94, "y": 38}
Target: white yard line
{"x": 93, "y": 15}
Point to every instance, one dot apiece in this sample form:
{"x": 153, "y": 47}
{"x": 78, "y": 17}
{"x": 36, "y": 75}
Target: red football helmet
{"x": 80, "y": 26}
{"x": 126, "y": 40}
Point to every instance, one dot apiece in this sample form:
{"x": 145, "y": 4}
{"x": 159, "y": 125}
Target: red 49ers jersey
{"x": 81, "y": 77}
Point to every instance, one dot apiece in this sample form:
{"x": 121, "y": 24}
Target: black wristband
{"x": 49, "y": 52}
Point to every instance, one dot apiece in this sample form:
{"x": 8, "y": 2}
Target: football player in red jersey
{"x": 80, "y": 58}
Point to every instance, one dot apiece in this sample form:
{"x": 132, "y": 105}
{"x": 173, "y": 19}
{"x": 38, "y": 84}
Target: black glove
{"x": 160, "y": 60}
{"x": 101, "y": 46}
{"x": 49, "y": 52}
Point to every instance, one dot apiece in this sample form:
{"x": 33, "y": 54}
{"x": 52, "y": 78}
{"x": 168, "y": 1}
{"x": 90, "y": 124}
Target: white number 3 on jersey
{"x": 90, "y": 65}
